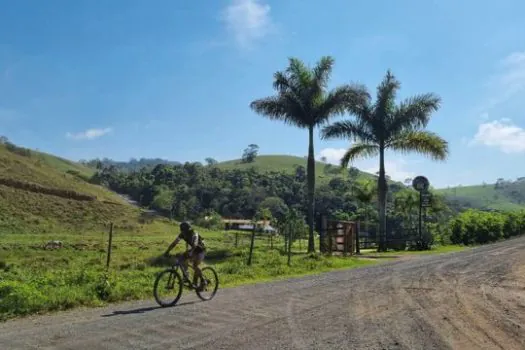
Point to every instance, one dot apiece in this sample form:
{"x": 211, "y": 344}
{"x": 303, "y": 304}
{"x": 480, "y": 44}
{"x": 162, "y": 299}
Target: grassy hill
{"x": 505, "y": 195}
{"x": 40, "y": 193}
{"x": 267, "y": 163}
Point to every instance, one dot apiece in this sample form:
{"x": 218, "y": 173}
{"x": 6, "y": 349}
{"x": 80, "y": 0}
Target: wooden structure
{"x": 338, "y": 236}
{"x": 244, "y": 225}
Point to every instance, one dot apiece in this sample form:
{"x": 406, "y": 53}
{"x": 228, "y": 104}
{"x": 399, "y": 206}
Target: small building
{"x": 247, "y": 225}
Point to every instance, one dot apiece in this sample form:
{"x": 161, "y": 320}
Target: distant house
{"x": 247, "y": 225}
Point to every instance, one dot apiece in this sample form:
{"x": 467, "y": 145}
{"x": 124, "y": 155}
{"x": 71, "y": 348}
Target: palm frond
{"x": 359, "y": 150}
{"x": 299, "y": 73}
{"x": 347, "y": 129}
{"x": 422, "y": 142}
{"x": 281, "y": 82}
{"x": 386, "y": 95}
{"x": 282, "y": 107}
{"x": 415, "y": 112}
{"x": 339, "y": 100}
{"x": 365, "y": 191}
{"x": 322, "y": 71}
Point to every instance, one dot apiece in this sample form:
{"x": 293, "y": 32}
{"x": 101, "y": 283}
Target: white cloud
{"x": 510, "y": 81}
{"x": 395, "y": 169}
{"x": 333, "y": 155}
{"x": 88, "y": 134}
{"x": 248, "y": 21}
{"x": 503, "y": 134}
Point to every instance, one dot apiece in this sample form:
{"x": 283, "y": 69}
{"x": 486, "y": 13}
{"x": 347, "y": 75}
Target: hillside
{"x": 503, "y": 195}
{"x": 41, "y": 193}
{"x": 288, "y": 164}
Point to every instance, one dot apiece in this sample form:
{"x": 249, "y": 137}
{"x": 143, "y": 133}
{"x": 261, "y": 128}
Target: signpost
{"x": 421, "y": 184}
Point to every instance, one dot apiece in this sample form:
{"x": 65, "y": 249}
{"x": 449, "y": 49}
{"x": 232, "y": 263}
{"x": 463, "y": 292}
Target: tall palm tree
{"x": 303, "y": 100}
{"x": 384, "y": 125}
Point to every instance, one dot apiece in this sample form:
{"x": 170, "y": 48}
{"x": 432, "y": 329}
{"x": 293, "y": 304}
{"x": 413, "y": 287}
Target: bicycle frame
{"x": 179, "y": 264}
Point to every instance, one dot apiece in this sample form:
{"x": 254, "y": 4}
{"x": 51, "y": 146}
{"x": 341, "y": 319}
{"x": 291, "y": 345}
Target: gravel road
{"x": 468, "y": 300}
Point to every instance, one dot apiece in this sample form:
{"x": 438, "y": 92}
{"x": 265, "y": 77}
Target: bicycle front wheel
{"x": 167, "y": 288}
{"x": 208, "y": 284}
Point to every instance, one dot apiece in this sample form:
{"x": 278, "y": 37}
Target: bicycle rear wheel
{"x": 208, "y": 284}
{"x": 167, "y": 288}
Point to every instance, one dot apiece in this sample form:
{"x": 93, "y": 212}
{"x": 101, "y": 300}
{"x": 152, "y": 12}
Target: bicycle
{"x": 174, "y": 279}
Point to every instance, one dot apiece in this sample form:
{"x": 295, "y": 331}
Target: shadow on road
{"x": 143, "y": 310}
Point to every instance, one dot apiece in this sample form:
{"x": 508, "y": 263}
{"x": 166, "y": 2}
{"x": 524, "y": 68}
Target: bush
{"x": 480, "y": 227}
{"x": 19, "y": 298}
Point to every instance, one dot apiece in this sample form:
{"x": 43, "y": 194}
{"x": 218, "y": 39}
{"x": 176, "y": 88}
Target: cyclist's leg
{"x": 184, "y": 260}
{"x": 197, "y": 260}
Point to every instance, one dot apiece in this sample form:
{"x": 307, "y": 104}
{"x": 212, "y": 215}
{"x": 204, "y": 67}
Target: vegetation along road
{"x": 473, "y": 299}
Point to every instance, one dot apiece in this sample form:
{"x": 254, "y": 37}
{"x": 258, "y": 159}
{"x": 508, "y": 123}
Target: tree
{"x": 210, "y": 161}
{"x": 384, "y": 125}
{"x": 250, "y": 153}
{"x": 276, "y": 206}
{"x": 353, "y": 173}
{"x": 323, "y": 159}
{"x": 303, "y": 100}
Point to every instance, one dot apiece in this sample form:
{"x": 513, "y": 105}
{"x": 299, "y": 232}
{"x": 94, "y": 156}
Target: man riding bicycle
{"x": 196, "y": 251}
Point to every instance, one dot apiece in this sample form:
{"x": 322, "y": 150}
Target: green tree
{"x": 276, "y": 206}
{"x": 210, "y": 161}
{"x": 250, "y": 153}
{"x": 384, "y": 125}
{"x": 303, "y": 100}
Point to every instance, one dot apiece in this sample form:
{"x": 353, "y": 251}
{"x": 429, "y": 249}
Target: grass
{"x": 481, "y": 196}
{"x": 34, "y": 280}
{"x": 23, "y": 211}
{"x": 287, "y": 164}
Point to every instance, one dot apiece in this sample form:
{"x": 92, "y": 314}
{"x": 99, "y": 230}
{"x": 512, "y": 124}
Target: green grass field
{"x": 481, "y": 196}
{"x": 35, "y": 280}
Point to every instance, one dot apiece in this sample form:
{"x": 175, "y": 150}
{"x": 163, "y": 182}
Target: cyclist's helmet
{"x": 185, "y": 226}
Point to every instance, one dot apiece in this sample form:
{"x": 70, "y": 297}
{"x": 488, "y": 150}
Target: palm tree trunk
{"x": 382, "y": 188}
{"x": 311, "y": 189}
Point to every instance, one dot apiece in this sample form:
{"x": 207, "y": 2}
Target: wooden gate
{"x": 337, "y": 236}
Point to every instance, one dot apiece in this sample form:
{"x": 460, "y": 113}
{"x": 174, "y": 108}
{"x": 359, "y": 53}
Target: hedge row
{"x": 479, "y": 227}
{"x": 28, "y": 186}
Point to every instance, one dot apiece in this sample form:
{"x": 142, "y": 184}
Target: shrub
{"x": 480, "y": 227}
{"x": 19, "y": 298}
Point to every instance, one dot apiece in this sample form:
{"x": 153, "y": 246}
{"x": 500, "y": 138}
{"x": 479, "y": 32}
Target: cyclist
{"x": 196, "y": 251}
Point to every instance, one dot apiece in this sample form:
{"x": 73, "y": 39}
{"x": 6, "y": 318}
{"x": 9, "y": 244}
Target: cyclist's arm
{"x": 172, "y": 245}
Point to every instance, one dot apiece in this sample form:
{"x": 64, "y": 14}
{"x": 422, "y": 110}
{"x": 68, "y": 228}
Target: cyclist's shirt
{"x": 193, "y": 239}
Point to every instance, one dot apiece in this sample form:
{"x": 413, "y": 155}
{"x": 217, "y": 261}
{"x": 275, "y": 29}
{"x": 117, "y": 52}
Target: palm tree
{"x": 303, "y": 100}
{"x": 384, "y": 125}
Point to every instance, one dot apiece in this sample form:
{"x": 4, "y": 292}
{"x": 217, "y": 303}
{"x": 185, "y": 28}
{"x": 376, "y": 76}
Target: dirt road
{"x": 468, "y": 300}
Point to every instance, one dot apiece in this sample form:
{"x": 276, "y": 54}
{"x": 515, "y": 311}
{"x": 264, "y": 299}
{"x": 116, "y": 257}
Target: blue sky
{"x": 174, "y": 79}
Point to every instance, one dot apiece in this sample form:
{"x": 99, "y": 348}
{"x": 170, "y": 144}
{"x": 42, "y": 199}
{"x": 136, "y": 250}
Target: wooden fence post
{"x": 289, "y": 243}
{"x": 322, "y": 234}
{"x": 357, "y": 228}
{"x": 109, "y": 245}
{"x": 251, "y": 246}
